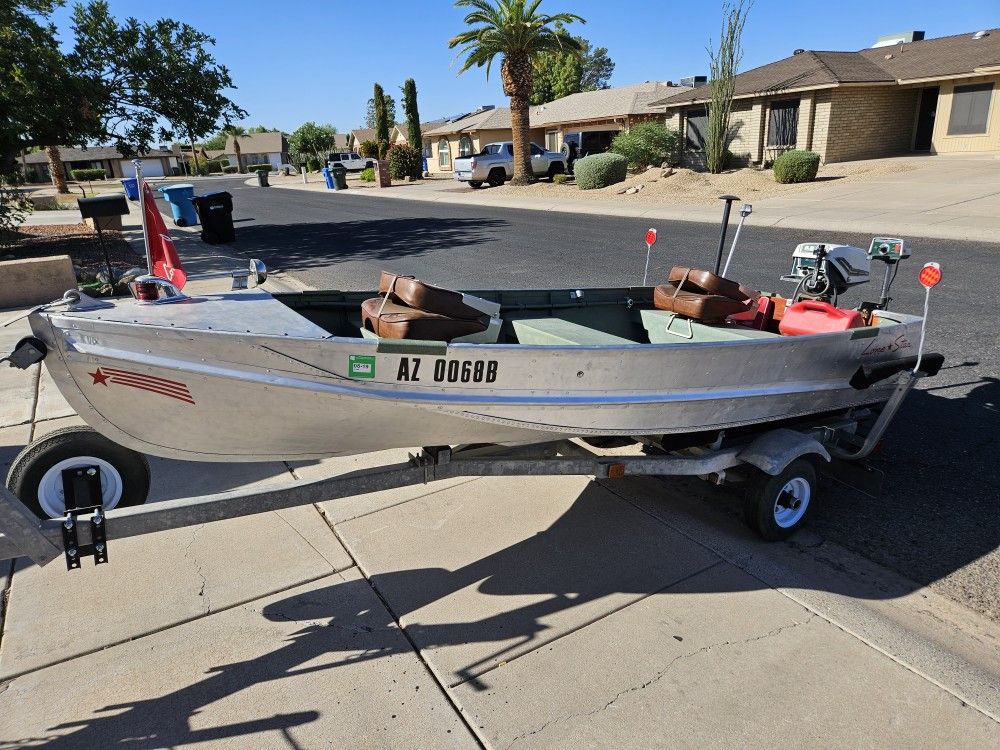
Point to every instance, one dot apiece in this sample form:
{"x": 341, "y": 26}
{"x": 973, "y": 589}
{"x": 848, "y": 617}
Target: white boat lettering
{"x": 898, "y": 343}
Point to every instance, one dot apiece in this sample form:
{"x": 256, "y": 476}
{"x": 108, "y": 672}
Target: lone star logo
{"x": 99, "y": 377}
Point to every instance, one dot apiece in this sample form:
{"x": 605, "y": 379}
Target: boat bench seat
{"x": 671, "y": 328}
{"x": 702, "y": 295}
{"x": 560, "y": 332}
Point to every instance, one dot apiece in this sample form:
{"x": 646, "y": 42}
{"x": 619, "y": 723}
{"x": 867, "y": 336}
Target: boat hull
{"x": 174, "y": 389}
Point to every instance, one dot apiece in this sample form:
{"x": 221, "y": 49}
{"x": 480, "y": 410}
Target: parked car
{"x": 351, "y": 162}
{"x": 495, "y": 164}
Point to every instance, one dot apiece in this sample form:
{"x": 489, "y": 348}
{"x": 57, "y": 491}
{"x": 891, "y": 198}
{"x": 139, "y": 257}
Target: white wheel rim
{"x": 792, "y": 501}
{"x": 50, "y": 490}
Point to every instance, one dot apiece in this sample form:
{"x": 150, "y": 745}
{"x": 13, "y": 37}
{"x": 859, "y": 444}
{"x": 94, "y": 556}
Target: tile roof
{"x": 274, "y": 142}
{"x": 497, "y": 118}
{"x": 604, "y": 103}
{"x": 94, "y": 153}
{"x": 930, "y": 58}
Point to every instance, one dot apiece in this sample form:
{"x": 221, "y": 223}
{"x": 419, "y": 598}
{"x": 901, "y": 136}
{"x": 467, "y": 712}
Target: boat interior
{"x": 693, "y": 306}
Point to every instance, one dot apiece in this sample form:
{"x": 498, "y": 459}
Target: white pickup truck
{"x": 495, "y": 163}
{"x": 351, "y": 162}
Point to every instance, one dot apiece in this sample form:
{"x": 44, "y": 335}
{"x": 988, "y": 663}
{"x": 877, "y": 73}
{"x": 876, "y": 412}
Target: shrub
{"x": 368, "y": 149}
{"x": 405, "y": 161}
{"x": 215, "y": 166}
{"x": 560, "y": 179}
{"x": 368, "y": 175}
{"x": 255, "y": 167}
{"x": 312, "y": 164}
{"x": 796, "y": 166}
{"x": 600, "y": 170}
{"x": 86, "y": 175}
{"x": 648, "y": 143}
{"x": 230, "y": 169}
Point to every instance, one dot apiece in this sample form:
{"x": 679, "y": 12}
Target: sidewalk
{"x": 947, "y": 198}
{"x": 520, "y": 612}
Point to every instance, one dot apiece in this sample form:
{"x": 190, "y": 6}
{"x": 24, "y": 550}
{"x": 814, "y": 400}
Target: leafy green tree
{"x": 516, "y": 32}
{"x": 413, "y": 135}
{"x": 559, "y": 74}
{"x": 312, "y": 140}
{"x": 219, "y": 140}
{"x": 381, "y": 120}
{"x": 390, "y": 108}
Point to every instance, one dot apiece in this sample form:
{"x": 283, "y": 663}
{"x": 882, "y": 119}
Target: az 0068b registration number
{"x": 413, "y": 370}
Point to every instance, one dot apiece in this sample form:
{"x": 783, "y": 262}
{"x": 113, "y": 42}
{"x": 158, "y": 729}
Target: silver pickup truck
{"x": 495, "y": 163}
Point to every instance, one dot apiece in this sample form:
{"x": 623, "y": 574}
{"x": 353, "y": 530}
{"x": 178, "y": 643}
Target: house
{"x": 905, "y": 94}
{"x": 466, "y": 135}
{"x": 398, "y": 135}
{"x": 258, "y": 148}
{"x": 592, "y": 119}
{"x": 341, "y": 141}
{"x": 156, "y": 163}
{"x": 359, "y": 136}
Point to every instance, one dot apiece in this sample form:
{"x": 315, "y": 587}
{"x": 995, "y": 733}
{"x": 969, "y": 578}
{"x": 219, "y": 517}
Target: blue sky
{"x": 295, "y": 60}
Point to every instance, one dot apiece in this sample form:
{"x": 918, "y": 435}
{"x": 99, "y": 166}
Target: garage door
{"x": 150, "y": 168}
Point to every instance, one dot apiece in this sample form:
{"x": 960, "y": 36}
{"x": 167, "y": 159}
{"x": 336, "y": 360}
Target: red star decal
{"x": 99, "y": 377}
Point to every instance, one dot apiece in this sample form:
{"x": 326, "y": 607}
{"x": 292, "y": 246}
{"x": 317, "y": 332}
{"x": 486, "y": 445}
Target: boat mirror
{"x": 258, "y": 272}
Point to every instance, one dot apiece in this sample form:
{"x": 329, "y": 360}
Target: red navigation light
{"x": 930, "y": 274}
{"x": 650, "y": 236}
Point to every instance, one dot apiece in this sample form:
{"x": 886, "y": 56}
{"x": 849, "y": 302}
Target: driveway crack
{"x": 659, "y": 676}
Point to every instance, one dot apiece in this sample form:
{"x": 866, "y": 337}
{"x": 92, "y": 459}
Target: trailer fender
{"x": 774, "y": 450}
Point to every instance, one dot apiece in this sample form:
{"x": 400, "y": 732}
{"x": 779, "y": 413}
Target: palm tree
{"x": 239, "y": 154}
{"x": 516, "y": 31}
{"x": 56, "y": 169}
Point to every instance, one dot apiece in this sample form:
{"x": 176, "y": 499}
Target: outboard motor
{"x": 824, "y": 271}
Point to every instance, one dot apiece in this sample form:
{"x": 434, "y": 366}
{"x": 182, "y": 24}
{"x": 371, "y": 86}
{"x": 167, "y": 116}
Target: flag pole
{"x": 142, "y": 213}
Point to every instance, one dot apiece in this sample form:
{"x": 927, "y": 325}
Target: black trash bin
{"x": 262, "y": 178}
{"x": 215, "y": 211}
{"x": 338, "y": 173}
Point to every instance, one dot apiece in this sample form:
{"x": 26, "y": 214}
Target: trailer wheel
{"x": 35, "y": 476}
{"x": 777, "y": 506}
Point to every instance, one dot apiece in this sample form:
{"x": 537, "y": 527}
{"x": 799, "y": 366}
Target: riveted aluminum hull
{"x": 235, "y": 378}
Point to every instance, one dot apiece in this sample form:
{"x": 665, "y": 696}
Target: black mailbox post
{"x": 101, "y": 207}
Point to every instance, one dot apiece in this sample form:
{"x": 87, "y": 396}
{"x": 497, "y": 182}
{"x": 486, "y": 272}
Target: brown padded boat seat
{"x": 701, "y": 307}
{"x": 706, "y": 282}
{"x": 401, "y": 322}
{"x": 412, "y": 292}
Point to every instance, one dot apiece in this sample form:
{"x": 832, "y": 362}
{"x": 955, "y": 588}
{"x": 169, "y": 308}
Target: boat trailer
{"x": 767, "y": 455}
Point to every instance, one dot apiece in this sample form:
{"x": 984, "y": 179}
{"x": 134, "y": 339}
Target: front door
{"x": 925, "y": 119}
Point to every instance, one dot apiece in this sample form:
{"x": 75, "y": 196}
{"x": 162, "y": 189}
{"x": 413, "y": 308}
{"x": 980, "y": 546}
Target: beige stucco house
{"x": 905, "y": 95}
{"x": 155, "y": 163}
{"x": 466, "y": 135}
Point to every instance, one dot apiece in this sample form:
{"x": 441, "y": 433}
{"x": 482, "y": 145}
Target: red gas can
{"x": 814, "y": 316}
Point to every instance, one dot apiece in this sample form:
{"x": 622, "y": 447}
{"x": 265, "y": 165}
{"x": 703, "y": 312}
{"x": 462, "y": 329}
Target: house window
{"x": 970, "y": 109}
{"x": 465, "y": 146}
{"x": 444, "y": 154}
{"x": 552, "y": 140}
{"x": 783, "y": 123}
{"x": 697, "y": 126}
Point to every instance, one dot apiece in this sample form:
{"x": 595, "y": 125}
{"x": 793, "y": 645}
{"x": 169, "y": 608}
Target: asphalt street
{"x": 938, "y": 519}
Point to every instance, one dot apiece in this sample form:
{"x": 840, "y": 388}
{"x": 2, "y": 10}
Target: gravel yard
{"x": 78, "y": 241}
{"x": 688, "y": 186}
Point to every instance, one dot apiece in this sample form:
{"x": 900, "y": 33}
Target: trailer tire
{"x": 776, "y": 506}
{"x": 35, "y": 475}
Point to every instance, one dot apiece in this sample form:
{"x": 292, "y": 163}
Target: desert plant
{"x": 600, "y": 170}
{"x": 255, "y": 167}
{"x": 230, "y": 169}
{"x": 723, "y": 63}
{"x": 313, "y": 164}
{"x": 796, "y": 166}
{"x": 518, "y": 33}
{"x": 405, "y": 161}
{"x": 560, "y": 179}
{"x": 368, "y": 149}
{"x": 367, "y": 175}
{"x": 648, "y": 143}
{"x": 88, "y": 175}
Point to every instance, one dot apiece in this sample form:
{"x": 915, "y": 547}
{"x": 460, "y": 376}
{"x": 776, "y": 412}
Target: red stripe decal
{"x": 150, "y": 383}
{"x": 162, "y": 393}
{"x": 116, "y": 371}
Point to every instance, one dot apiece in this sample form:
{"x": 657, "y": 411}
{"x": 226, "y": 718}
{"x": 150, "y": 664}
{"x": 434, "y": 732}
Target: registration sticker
{"x": 361, "y": 366}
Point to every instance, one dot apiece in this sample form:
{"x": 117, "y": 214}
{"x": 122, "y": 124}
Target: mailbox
{"x": 103, "y": 205}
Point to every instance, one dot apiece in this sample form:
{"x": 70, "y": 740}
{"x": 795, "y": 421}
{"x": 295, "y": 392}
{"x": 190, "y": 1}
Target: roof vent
{"x": 485, "y": 107}
{"x": 903, "y": 37}
{"x": 980, "y": 34}
{"x": 799, "y": 51}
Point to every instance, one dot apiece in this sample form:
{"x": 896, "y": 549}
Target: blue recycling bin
{"x": 131, "y": 186}
{"x": 327, "y": 177}
{"x": 179, "y": 197}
